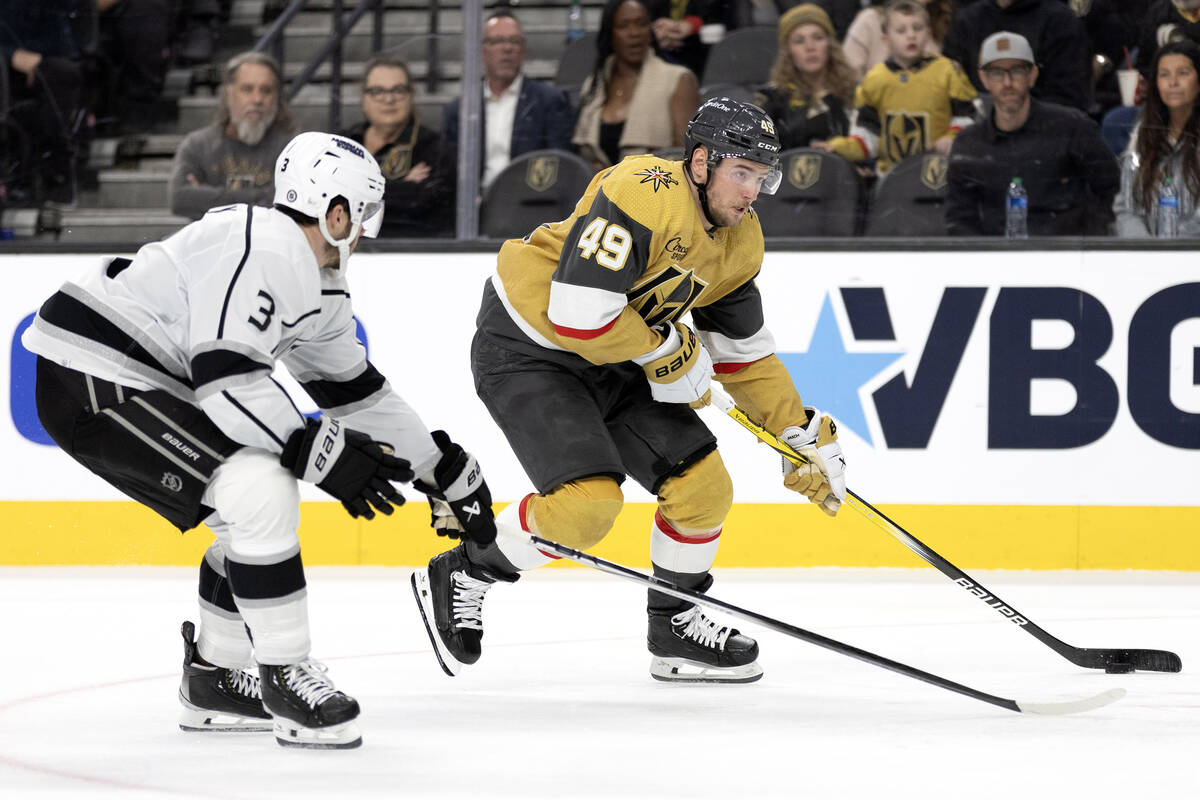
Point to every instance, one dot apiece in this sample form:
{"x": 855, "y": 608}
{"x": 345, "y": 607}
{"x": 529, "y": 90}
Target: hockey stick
{"x": 666, "y": 587}
{"x": 1110, "y": 660}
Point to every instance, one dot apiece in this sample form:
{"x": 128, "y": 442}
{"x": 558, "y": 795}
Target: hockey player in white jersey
{"x": 155, "y": 374}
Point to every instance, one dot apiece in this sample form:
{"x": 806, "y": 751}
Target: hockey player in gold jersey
{"x": 910, "y": 103}
{"x": 584, "y": 361}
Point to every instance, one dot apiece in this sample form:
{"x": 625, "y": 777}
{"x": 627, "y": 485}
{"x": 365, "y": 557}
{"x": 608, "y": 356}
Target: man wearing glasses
{"x": 1069, "y": 173}
{"x": 520, "y": 114}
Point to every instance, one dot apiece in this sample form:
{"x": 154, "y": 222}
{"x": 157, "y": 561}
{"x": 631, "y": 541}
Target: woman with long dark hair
{"x": 1165, "y": 144}
{"x": 625, "y": 97}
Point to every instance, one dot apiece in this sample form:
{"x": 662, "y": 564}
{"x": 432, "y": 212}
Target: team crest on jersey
{"x": 804, "y": 170}
{"x": 933, "y": 172}
{"x": 666, "y": 296}
{"x": 541, "y": 173}
{"x": 905, "y": 134}
{"x": 396, "y": 163}
{"x": 658, "y": 176}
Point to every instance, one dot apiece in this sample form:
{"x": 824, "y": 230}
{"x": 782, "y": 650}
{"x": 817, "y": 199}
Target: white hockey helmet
{"x": 314, "y": 168}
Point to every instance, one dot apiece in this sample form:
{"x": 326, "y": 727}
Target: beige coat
{"x": 648, "y": 126}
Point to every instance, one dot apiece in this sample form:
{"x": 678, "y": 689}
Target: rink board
{"x": 1014, "y": 410}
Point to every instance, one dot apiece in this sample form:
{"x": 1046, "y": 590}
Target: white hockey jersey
{"x": 205, "y": 315}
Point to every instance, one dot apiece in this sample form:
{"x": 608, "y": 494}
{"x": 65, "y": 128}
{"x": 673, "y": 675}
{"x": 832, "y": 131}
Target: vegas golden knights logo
{"x": 542, "y": 173}
{"x": 396, "y": 163}
{"x": 804, "y": 170}
{"x": 905, "y": 135}
{"x": 666, "y": 296}
{"x": 933, "y": 172}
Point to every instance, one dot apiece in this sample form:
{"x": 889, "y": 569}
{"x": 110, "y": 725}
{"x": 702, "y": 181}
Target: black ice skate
{"x": 449, "y": 593}
{"x": 688, "y": 647}
{"x": 308, "y": 710}
{"x": 215, "y": 698}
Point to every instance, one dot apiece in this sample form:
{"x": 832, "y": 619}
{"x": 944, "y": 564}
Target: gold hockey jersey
{"x": 901, "y": 112}
{"x": 633, "y": 255}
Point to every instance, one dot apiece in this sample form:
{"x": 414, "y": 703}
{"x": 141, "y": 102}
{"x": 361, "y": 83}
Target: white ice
{"x": 561, "y": 705}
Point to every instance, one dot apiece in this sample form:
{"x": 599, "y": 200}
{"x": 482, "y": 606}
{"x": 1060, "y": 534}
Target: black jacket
{"x": 412, "y": 209}
{"x": 1162, "y": 23}
{"x": 544, "y": 120}
{"x": 1070, "y": 175}
{"x": 795, "y": 125}
{"x": 1056, "y": 35}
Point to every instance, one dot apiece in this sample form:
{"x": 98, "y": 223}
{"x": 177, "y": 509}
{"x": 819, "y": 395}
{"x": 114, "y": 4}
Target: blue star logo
{"x": 830, "y": 378}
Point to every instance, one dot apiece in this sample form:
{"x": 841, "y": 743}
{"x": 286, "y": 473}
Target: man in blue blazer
{"x": 519, "y": 113}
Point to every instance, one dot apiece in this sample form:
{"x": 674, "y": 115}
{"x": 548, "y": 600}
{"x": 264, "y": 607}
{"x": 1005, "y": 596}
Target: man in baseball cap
{"x": 1008, "y": 71}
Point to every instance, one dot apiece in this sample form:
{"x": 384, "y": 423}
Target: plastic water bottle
{"x": 575, "y": 29}
{"x": 1168, "y": 211}
{"x": 1016, "y": 211}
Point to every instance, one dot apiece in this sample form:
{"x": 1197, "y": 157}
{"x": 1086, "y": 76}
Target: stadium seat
{"x": 744, "y": 57}
{"x": 578, "y": 61}
{"x": 819, "y": 196}
{"x": 734, "y": 91}
{"x": 670, "y": 153}
{"x": 536, "y": 187}
{"x": 910, "y": 198}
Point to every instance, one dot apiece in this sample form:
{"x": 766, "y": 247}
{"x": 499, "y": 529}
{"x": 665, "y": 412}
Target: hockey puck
{"x": 1113, "y": 669}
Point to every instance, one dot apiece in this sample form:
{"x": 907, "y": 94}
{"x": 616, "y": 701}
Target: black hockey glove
{"x": 461, "y": 501}
{"x": 347, "y": 464}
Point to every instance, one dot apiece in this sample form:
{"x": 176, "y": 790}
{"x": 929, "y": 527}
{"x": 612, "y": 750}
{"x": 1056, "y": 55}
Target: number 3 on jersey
{"x": 611, "y": 241}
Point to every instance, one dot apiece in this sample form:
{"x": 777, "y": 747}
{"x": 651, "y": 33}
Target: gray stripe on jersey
{"x": 91, "y": 387}
{"x": 310, "y": 375}
{"x": 154, "y": 445}
{"x": 218, "y": 611}
{"x": 164, "y": 357}
{"x": 370, "y": 401}
{"x": 192, "y": 441}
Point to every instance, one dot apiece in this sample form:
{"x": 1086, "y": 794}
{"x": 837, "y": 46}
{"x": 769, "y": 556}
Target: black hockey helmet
{"x": 732, "y": 129}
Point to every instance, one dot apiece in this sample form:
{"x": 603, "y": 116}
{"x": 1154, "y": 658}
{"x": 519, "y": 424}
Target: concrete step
{"x": 133, "y": 226}
{"x": 310, "y": 108}
{"x": 449, "y": 17}
{"x": 449, "y": 69}
{"x": 134, "y": 188}
{"x": 547, "y": 42}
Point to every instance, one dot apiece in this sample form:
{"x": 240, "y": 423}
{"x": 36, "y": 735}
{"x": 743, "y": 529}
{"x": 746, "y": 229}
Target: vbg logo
{"x": 830, "y": 377}
{"x": 21, "y": 383}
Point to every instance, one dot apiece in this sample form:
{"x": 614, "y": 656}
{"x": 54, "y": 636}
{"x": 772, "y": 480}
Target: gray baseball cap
{"x": 1005, "y": 44}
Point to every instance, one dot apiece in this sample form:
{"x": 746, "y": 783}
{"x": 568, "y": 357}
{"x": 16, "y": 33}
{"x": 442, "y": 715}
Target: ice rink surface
{"x": 561, "y": 704}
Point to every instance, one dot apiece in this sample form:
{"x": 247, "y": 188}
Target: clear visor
{"x": 752, "y": 175}
{"x": 372, "y": 219}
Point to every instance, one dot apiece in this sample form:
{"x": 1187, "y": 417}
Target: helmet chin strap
{"x": 702, "y": 191}
{"x": 342, "y": 245}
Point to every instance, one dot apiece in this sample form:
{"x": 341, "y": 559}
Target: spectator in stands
{"x": 811, "y": 85}
{"x": 1165, "y": 144}
{"x": 233, "y": 160}
{"x": 419, "y": 170}
{"x": 865, "y": 43}
{"x": 912, "y": 102}
{"x": 45, "y": 79}
{"x": 1053, "y": 30}
{"x": 1069, "y": 174}
{"x": 520, "y": 114}
{"x": 1166, "y": 21}
{"x": 677, "y": 25}
{"x": 633, "y": 102}
{"x": 134, "y": 38}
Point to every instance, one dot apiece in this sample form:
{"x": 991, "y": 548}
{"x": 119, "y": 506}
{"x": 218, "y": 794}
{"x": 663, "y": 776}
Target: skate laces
{"x": 308, "y": 681}
{"x": 468, "y": 600}
{"x": 701, "y": 628}
{"x": 245, "y": 683}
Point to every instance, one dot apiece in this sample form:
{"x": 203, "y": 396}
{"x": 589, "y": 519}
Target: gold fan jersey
{"x": 902, "y": 112}
{"x": 633, "y": 255}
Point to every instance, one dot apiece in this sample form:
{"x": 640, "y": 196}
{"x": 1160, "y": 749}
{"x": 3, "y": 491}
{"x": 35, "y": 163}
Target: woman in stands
{"x": 864, "y": 45}
{"x": 1165, "y": 144}
{"x": 420, "y": 172}
{"x": 811, "y": 92}
{"x": 633, "y": 102}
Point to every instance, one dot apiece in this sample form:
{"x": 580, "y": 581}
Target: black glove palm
{"x": 346, "y": 464}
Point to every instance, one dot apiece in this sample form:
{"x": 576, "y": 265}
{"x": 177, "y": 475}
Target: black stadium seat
{"x": 575, "y": 65}
{"x": 540, "y": 186}
{"x": 910, "y": 199}
{"x": 819, "y": 196}
{"x": 744, "y": 57}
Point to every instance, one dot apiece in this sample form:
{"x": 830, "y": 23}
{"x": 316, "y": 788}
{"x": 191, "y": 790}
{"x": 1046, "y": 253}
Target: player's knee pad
{"x": 697, "y": 500}
{"x": 578, "y": 513}
{"x": 258, "y": 503}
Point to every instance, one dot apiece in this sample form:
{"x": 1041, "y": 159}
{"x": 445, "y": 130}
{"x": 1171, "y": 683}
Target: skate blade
{"x": 681, "y": 670}
{"x": 202, "y": 720}
{"x": 335, "y": 737}
{"x": 424, "y": 596}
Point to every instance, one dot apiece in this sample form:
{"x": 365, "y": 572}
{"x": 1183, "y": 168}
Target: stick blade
{"x": 1071, "y": 706}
